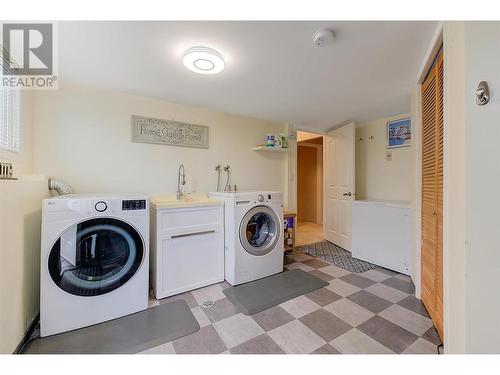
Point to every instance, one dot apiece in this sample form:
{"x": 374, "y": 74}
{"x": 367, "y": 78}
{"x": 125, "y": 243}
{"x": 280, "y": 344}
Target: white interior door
{"x": 339, "y": 185}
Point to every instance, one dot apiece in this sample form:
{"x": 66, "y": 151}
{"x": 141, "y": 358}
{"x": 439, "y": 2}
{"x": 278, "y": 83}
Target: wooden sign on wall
{"x": 168, "y": 132}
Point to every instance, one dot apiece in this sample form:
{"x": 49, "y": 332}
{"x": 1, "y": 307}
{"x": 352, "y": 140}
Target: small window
{"x": 9, "y": 119}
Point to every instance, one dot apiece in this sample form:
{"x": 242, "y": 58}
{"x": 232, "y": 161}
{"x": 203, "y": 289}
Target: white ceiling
{"x": 273, "y": 70}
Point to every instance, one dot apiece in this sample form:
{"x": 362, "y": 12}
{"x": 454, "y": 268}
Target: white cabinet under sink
{"x": 187, "y": 246}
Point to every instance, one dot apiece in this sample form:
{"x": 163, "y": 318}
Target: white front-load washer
{"x": 253, "y": 234}
{"x": 94, "y": 260}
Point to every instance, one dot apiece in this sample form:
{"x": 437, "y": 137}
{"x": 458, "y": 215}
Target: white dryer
{"x": 253, "y": 234}
{"x": 94, "y": 260}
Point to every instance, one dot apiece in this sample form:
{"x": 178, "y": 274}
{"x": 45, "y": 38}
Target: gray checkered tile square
{"x": 325, "y": 324}
{"x": 222, "y": 308}
{"x": 389, "y": 334}
{"x": 272, "y": 318}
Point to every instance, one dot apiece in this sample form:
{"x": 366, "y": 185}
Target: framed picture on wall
{"x": 399, "y": 133}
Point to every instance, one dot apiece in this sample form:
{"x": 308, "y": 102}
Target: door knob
{"x": 347, "y": 194}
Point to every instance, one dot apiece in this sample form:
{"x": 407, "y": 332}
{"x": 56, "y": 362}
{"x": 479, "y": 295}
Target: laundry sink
{"x": 187, "y": 200}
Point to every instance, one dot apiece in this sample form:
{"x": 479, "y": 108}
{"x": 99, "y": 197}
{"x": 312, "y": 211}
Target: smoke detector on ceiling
{"x": 323, "y": 38}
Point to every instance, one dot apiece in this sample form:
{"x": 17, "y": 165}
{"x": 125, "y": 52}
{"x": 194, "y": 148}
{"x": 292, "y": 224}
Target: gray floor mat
{"x": 129, "y": 334}
{"x": 336, "y": 255}
{"x": 259, "y": 295}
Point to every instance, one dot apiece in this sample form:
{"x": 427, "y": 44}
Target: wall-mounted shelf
{"x": 269, "y": 149}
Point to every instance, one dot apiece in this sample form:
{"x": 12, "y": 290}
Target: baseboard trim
{"x": 412, "y": 285}
{"x": 27, "y": 335}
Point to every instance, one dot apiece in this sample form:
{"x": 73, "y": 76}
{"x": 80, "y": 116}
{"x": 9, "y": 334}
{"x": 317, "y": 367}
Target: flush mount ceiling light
{"x": 203, "y": 60}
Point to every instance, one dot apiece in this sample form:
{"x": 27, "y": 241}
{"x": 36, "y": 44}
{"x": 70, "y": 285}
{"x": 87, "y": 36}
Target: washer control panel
{"x": 133, "y": 204}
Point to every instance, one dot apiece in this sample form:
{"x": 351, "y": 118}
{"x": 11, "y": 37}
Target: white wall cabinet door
{"x": 339, "y": 185}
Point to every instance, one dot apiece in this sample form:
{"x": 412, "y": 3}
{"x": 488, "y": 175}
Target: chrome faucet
{"x": 180, "y": 182}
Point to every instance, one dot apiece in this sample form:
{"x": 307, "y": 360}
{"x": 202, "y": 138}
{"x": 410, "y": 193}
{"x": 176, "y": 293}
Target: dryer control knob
{"x": 101, "y": 206}
{"x": 260, "y": 198}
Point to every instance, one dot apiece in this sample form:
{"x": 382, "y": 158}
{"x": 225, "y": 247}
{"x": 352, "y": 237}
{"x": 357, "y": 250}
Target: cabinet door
{"x": 191, "y": 261}
{"x": 432, "y": 193}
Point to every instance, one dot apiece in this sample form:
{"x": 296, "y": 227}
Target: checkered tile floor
{"x": 373, "y": 312}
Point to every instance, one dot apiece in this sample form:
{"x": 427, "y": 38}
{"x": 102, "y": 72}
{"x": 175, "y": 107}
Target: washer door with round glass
{"x": 95, "y": 257}
{"x": 259, "y": 230}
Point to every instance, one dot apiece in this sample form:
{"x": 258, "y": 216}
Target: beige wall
{"x": 482, "y": 183}
{"x": 83, "y": 136}
{"x": 20, "y": 203}
{"x": 20, "y": 257}
{"x": 376, "y": 177}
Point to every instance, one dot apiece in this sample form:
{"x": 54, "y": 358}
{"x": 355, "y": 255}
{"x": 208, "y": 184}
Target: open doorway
{"x": 309, "y": 188}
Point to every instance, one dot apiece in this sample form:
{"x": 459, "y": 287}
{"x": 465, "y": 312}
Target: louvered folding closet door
{"x": 432, "y": 193}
